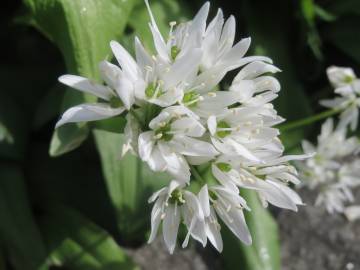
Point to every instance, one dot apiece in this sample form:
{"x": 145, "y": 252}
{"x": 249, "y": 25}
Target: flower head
{"x": 347, "y": 85}
{"x": 334, "y": 170}
{"x": 179, "y": 115}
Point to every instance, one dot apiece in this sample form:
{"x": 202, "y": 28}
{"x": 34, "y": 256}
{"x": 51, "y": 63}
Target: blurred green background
{"x": 63, "y": 209}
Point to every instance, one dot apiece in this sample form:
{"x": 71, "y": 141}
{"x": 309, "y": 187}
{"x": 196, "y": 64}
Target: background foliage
{"x": 63, "y": 209}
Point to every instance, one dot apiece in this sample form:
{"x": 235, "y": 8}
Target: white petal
{"x": 110, "y": 73}
{"x": 142, "y": 57}
{"x": 235, "y": 220}
{"x": 236, "y": 52}
{"x": 182, "y": 68}
{"x": 155, "y": 219}
{"x": 156, "y": 161}
{"x": 125, "y": 90}
{"x": 193, "y": 147}
{"x": 176, "y": 164}
{"x": 88, "y": 112}
{"x": 171, "y": 226}
{"x": 86, "y": 85}
{"x": 212, "y": 124}
{"x": 275, "y": 196}
{"x": 253, "y": 70}
{"x": 352, "y": 212}
{"x": 204, "y": 200}
{"x": 339, "y": 76}
{"x": 125, "y": 60}
{"x": 146, "y": 145}
{"x": 213, "y": 231}
{"x": 159, "y": 42}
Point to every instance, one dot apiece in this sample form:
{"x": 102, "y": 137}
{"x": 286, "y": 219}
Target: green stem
{"x": 138, "y": 118}
{"x": 197, "y": 175}
{"x": 309, "y": 120}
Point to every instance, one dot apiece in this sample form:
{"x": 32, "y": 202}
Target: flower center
{"x": 191, "y": 98}
{"x": 348, "y": 79}
{"x": 154, "y": 90}
{"x": 163, "y": 132}
{"x": 223, "y": 129}
{"x": 174, "y": 51}
{"x": 223, "y": 166}
{"x": 115, "y": 102}
{"x": 176, "y": 197}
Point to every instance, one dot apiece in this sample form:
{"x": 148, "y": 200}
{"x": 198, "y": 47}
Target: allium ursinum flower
{"x": 173, "y": 204}
{"x": 347, "y": 85}
{"x": 335, "y": 169}
{"x": 228, "y": 205}
{"x": 269, "y": 179}
{"x": 173, "y": 136}
{"x": 215, "y": 41}
{"x": 178, "y": 117}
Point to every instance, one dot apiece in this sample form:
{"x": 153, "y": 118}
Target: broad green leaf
{"x": 292, "y": 102}
{"x": 264, "y": 253}
{"x": 82, "y": 30}
{"x": 79, "y": 244}
{"x": 18, "y": 229}
{"x": 129, "y": 182}
{"x": 68, "y": 138}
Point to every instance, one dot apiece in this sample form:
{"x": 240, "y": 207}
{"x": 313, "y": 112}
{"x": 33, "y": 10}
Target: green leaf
{"x": 82, "y": 30}
{"x": 68, "y": 138}
{"x": 18, "y": 230}
{"x": 78, "y": 244}
{"x": 129, "y": 182}
{"x": 264, "y": 253}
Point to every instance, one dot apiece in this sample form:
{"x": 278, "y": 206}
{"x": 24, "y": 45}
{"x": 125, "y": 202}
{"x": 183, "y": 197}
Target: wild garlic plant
{"x": 334, "y": 171}
{"x": 179, "y": 117}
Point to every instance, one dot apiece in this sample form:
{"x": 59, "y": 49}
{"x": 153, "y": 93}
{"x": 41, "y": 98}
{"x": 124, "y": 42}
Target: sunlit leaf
{"x": 78, "y": 244}
{"x": 129, "y": 181}
{"x": 82, "y": 30}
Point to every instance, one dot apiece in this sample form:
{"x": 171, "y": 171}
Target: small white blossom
{"x": 347, "y": 85}
{"x": 172, "y": 136}
{"x": 335, "y": 169}
{"x": 173, "y": 204}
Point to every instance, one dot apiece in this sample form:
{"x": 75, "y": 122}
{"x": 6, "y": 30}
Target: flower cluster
{"x": 347, "y": 85}
{"x": 335, "y": 169}
{"x": 180, "y": 117}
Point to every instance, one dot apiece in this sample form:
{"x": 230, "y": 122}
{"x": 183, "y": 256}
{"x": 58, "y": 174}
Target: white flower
{"x": 335, "y": 169}
{"x": 347, "y": 85}
{"x": 131, "y": 133}
{"x": 228, "y": 205}
{"x": 173, "y": 204}
{"x": 111, "y": 106}
{"x": 174, "y": 133}
{"x": 269, "y": 179}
